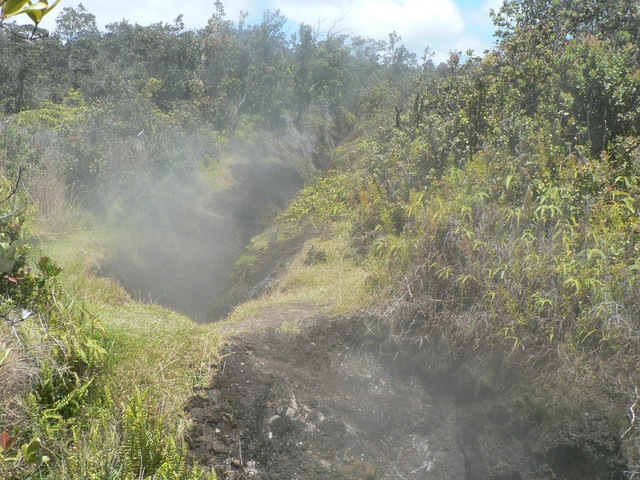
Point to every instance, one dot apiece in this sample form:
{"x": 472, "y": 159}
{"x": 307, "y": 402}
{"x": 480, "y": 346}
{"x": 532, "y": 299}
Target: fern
{"x": 150, "y": 450}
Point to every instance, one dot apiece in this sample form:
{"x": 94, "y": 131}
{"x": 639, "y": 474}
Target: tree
{"x": 75, "y": 23}
{"x": 563, "y": 20}
{"x": 304, "y": 59}
{"x": 268, "y": 48}
{"x": 397, "y": 57}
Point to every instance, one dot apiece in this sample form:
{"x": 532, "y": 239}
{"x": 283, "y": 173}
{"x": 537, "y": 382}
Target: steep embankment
{"x": 176, "y": 239}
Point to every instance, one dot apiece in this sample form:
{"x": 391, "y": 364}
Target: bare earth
{"x": 336, "y": 400}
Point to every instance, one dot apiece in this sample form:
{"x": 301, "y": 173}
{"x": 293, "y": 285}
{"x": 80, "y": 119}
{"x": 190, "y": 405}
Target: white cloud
{"x": 418, "y": 22}
{"x": 481, "y": 16}
{"x": 491, "y": 4}
{"x": 439, "y": 24}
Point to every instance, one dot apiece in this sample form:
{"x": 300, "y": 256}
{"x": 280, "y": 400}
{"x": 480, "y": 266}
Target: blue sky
{"x": 442, "y": 25}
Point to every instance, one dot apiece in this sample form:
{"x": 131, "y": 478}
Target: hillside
{"x": 385, "y": 268}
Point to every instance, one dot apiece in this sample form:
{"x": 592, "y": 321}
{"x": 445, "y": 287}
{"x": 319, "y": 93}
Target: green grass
{"x": 80, "y": 251}
{"x": 335, "y": 286}
{"x": 218, "y": 177}
{"x": 150, "y": 347}
{"x": 292, "y": 327}
{"x": 160, "y": 350}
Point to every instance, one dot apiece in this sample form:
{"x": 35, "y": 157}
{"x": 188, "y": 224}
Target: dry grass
{"x": 25, "y": 347}
{"x": 50, "y": 197}
{"x": 18, "y": 371}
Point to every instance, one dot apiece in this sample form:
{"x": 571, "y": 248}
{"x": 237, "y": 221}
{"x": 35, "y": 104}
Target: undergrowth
{"x": 85, "y": 390}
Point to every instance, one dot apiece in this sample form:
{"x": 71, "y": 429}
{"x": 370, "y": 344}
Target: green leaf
{"x": 507, "y": 182}
{"x": 30, "y": 450}
{"x": 7, "y": 250}
{"x": 594, "y": 251}
{"x": 39, "y": 10}
{"x": 12, "y": 7}
{"x": 50, "y": 7}
{"x": 4, "y": 354}
{"x": 6, "y": 264}
{"x": 36, "y": 12}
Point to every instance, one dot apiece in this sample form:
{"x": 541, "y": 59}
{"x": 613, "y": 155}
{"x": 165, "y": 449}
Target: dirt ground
{"x": 302, "y": 396}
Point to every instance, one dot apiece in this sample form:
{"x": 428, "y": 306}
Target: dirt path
{"x": 336, "y": 401}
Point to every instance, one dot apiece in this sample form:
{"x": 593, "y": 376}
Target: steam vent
{"x": 373, "y": 240}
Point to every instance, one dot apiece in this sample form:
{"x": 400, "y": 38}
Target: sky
{"x": 441, "y": 25}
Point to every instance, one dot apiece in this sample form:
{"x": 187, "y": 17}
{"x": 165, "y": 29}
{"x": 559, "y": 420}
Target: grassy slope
{"x": 323, "y": 273}
{"x": 150, "y": 347}
{"x": 155, "y": 347}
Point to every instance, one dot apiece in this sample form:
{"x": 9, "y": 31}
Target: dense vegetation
{"x": 493, "y": 200}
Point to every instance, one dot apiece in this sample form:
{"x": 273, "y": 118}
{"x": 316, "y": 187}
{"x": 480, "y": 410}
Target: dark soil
{"x": 339, "y": 401}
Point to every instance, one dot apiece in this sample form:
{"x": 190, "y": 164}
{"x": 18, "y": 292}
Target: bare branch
{"x": 633, "y": 414}
{"x": 246, "y": 90}
{"x": 31, "y": 36}
{"x": 8, "y": 215}
{"x": 14, "y": 186}
{"x": 14, "y": 189}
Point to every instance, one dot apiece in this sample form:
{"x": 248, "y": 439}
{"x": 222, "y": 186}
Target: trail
{"x": 336, "y": 400}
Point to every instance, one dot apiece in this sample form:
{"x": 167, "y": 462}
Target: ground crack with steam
{"x": 339, "y": 401}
